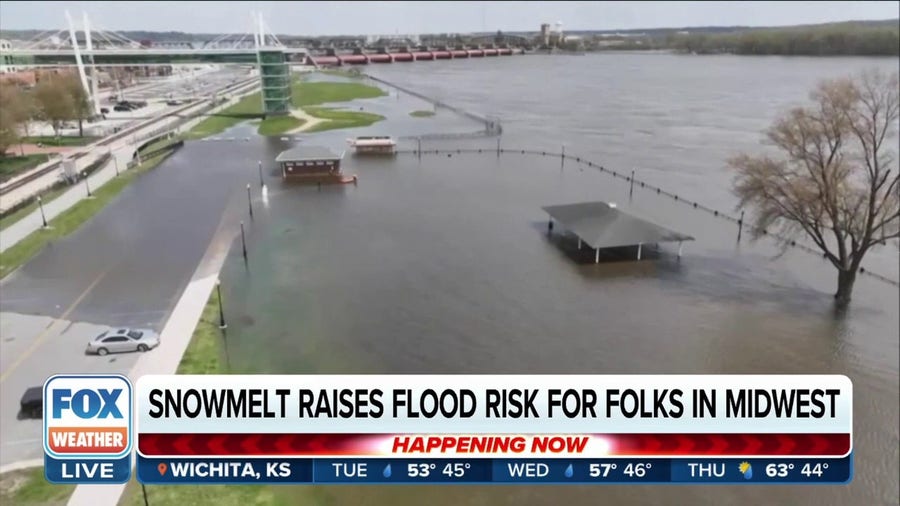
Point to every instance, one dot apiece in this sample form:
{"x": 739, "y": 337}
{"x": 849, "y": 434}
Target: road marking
{"x": 43, "y": 335}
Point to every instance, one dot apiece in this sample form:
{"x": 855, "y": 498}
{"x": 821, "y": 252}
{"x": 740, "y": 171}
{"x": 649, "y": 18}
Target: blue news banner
{"x": 499, "y": 471}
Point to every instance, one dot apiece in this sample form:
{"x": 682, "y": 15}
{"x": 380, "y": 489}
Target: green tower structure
{"x": 275, "y": 75}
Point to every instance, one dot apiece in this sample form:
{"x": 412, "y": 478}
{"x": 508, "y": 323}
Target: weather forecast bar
{"x": 173, "y": 471}
{"x": 546, "y": 445}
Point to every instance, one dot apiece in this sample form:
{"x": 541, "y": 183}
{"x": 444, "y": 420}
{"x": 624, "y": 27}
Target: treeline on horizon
{"x": 851, "y": 38}
{"x": 839, "y": 39}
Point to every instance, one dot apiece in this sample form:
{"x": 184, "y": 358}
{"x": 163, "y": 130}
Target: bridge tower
{"x": 274, "y": 74}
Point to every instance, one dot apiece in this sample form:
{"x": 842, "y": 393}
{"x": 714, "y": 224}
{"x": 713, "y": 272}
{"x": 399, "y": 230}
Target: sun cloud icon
{"x": 746, "y": 470}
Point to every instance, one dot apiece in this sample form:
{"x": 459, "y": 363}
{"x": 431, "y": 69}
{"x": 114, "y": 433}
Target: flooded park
{"x": 441, "y": 262}
{"x": 439, "y": 259}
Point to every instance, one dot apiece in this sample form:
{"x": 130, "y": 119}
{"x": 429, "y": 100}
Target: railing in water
{"x": 787, "y": 242}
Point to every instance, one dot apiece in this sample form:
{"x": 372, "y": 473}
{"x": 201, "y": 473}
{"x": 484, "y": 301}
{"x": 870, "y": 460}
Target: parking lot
{"x": 185, "y": 85}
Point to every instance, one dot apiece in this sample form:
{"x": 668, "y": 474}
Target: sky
{"x": 371, "y": 18}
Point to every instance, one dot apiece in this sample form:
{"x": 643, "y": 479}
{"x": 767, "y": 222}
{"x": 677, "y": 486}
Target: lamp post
{"x": 249, "y": 201}
{"x": 116, "y": 165}
{"x": 243, "y": 243}
{"x": 222, "y": 324}
{"x": 259, "y": 165}
{"x": 41, "y": 207}
{"x": 86, "y": 184}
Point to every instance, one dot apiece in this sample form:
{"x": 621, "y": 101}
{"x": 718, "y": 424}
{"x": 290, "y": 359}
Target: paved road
{"x": 127, "y": 266}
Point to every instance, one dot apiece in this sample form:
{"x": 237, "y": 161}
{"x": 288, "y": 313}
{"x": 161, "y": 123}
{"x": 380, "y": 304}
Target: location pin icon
{"x": 162, "y": 467}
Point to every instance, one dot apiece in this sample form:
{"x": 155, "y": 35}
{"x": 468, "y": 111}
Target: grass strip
{"x": 11, "y": 165}
{"x": 306, "y": 93}
{"x": 276, "y": 125}
{"x": 27, "y": 487}
{"x": 339, "y": 118}
{"x": 62, "y": 140}
{"x": 251, "y": 104}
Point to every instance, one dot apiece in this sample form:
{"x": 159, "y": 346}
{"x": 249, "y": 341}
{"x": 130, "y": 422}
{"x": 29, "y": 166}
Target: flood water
{"x": 443, "y": 264}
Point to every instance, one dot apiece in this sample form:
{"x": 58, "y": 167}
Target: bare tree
{"x": 837, "y": 180}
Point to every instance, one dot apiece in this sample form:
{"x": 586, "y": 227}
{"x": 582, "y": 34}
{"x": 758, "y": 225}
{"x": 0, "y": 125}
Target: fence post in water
{"x": 562, "y": 157}
{"x": 243, "y": 243}
{"x": 740, "y": 226}
{"x": 498, "y": 147}
{"x": 419, "y": 147}
{"x": 631, "y": 190}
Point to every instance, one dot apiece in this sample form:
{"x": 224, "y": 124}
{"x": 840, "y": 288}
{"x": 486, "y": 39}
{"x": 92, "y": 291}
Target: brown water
{"x": 443, "y": 264}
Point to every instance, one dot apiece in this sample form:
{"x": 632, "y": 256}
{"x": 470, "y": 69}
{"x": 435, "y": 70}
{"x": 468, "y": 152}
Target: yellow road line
{"x": 43, "y": 335}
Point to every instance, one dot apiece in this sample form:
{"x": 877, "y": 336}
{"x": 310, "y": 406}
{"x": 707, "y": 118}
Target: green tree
{"x": 56, "y": 104}
{"x": 11, "y": 115}
{"x": 837, "y": 180}
{"x": 82, "y": 108}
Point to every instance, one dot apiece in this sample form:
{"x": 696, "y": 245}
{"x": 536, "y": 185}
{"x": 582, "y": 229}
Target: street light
{"x": 41, "y": 207}
{"x": 222, "y": 324}
{"x": 259, "y": 164}
{"x": 249, "y": 201}
{"x": 243, "y": 243}
{"x": 86, "y": 184}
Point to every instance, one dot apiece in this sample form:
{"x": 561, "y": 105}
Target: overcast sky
{"x": 329, "y": 18}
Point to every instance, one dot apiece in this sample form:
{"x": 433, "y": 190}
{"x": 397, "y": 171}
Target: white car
{"x": 123, "y": 340}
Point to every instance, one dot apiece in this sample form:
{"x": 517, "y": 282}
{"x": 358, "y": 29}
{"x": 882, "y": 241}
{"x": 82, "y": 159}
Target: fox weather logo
{"x": 87, "y": 428}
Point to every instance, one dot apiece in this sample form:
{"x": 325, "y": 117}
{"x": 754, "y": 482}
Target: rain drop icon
{"x": 387, "y": 471}
{"x": 569, "y": 472}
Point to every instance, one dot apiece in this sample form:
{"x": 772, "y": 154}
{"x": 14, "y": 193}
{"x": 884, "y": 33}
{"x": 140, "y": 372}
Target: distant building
{"x": 545, "y": 34}
{"x": 6, "y": 60}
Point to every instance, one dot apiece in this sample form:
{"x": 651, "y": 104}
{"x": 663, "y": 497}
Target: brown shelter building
{"x": 315, "y": 164}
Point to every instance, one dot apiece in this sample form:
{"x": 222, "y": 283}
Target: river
{"x": 443, "y": 265}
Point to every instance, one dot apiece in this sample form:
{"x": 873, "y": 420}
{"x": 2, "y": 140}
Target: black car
{"x": 104, "y": 110}
{"x": 121, "y": 108}
{"x": 32, "y": 403}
